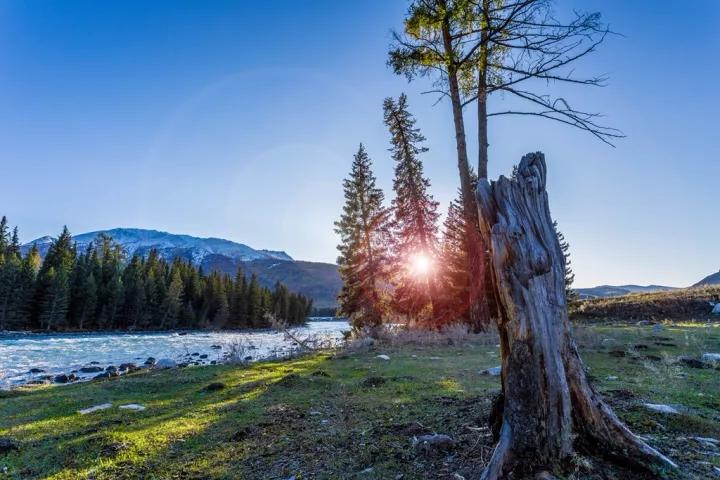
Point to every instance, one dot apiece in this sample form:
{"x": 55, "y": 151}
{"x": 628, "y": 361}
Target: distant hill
{"x": 618, "y": 290}
{"x": 713, "y": 279}
{"x": 320, "y": 281}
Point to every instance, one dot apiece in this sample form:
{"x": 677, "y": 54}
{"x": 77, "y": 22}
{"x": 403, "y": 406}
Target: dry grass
{"x": 688, "y": 303}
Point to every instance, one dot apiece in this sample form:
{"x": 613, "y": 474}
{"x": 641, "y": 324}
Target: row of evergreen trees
{"x": 394, "y": 263}
{"x": 99, "y": 289}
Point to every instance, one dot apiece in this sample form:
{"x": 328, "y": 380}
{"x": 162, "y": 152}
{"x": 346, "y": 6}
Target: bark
{"x": 478, "y": 308}
{"x": 549, "y": 407}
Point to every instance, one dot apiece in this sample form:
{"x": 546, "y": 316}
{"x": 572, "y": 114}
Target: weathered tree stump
{"x": 549, "y": 407}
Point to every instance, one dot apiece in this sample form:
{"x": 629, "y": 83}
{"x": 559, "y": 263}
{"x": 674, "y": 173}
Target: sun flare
{"x": 420, "y": 264}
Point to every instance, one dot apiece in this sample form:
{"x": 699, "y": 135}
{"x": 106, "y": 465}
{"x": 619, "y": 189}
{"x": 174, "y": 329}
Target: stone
{"x": 493, "y": 371}
{"x": 195, "y": 354}
{"x": 135, "y": 407}
{"x": 657, "y": 328}
{"x": 95, "y": 408}
{"x": 216, "y": 347}
{"x": 91, "y": 369}
{"x": 383, "y": 357}
{"x": 150, "y": 361}
{"x": 611, "y": 377}
{"x": 37, "y": 370}
{"x": 8, "y": 444}
{"x": 165, "y": 363}
{"x": 716, "y": 309}
{"x": 433, "y": 444}
{"x": 658, "y": 407}
{"x": 204, "y": 355}
{"x": 711, "y": 357}
{"x": 128, "y": 367}
{"x": 111, "y": 368}
{"x": 62, "y": 378}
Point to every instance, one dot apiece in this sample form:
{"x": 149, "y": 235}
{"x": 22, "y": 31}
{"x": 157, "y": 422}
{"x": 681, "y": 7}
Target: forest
{"x": 100, "y": 289}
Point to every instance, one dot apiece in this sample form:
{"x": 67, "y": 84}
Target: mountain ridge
{"x": 317, "y": 280}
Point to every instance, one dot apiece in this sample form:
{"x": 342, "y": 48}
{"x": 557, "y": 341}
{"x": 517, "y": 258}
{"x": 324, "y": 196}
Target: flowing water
{"x": 59, "y": 353}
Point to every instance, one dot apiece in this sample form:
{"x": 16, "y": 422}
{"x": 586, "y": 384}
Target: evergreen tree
{"x": 364, "y": 234}
{"x": 53, "y": 289}
{"x": 454, "y": 272}
{"x": 415, "y": 214}
{"x": 4, "y": 237}
{"x": 570, "y": 294}
{"x": 172, "y": 302}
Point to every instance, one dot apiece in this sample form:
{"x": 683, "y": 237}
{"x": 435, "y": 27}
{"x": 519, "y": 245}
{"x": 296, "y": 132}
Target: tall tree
{"x": 53, "y": 293}
{"x": 432, "y": 46}
{"x": 364, "y": 234}
{"x": 415, "y": 217}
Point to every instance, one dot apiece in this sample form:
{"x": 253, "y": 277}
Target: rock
{"x": 373, "y": 382}
{"x": 657, "y": 328}
{"x": 94, "y": 362}
{"x": 692, "y": 362}
{"x": 128, "y": 367}
{"x": 204, "y": 355}
{"x": 111, "y": 368}
{"x": 214, "y": 387}
{"x": 617, "y": 353}
{"x": 165, "y": 363}
{"x": 383, "y": 357}
{"x": 62, "y": 378}
{"x": 433, "y": 444}
{"x": 711, "y": 357}
{"x": 493, "y": 372}
{"x": 658, "y": 407}
{"x": 611, "y": 377}
{"x": 367, "y": 470}
{"x": 643, "y": 323}
{"x": 195, "y": 354}
{"x": 150, "y": 361}
{"x": 716, "y": 309}
{"x": 95, "y": 408}
{"x": 248, "y": 358}
{"x": 8, "y": 444}
{"x": 216, "y": 347}
{"x": 640, "y": 346}
{"x": 37, "y": 370}
{"x": 213, "y": 362}
{"x": 93, "y": 369}
{"x": 135, "y": 407}
{"x": 717, "y": 471}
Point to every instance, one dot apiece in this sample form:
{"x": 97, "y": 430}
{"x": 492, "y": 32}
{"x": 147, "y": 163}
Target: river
{"x": 52, "y": 354}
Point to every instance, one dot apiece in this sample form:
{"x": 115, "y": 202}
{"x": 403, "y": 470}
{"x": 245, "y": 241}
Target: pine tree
{"x": 570, "y": 294}
{"x": 414, "y": 246}
{"x": 53, "y": 293}
{"x": 454, "y": 272}
{"x": 364, "y": 234}
{"x": 4, "y": 238}
{"x": 172, "y": 302}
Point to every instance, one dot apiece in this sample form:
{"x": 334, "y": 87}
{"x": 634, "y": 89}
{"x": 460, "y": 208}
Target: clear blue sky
{"x": 239, "y": 120}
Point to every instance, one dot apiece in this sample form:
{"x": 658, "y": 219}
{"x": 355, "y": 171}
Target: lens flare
{"x": 420, "y": 264}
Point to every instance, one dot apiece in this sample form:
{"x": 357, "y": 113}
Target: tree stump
{"x": 549, "y": 408}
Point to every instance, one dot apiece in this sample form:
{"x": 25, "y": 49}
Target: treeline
{"x": 99, "y": 289}
{"x": 395, "y": 263}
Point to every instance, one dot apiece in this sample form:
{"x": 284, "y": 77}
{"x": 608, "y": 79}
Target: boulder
{"x": 716, "y": 309}
{"x": 150, "y": 361}
{"x": 135, "y": 407}
{"x": 216, "y": 347}
{"x": 711, "y": 357}
{"x": 165, "y": 363}
{"x": 62, "y": 378}
{"x": 383, "y": 357}
{"x": 128, "y": 367}
{"x": 692, "y": 362}
{"x": 37, "y": 370}
{"x": 204, "y": 355}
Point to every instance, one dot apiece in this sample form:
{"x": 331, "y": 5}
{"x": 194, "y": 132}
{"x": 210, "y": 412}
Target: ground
{"x": 350, "y": 414}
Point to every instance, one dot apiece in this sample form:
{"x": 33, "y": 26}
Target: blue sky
{"x": 239, "y": 120}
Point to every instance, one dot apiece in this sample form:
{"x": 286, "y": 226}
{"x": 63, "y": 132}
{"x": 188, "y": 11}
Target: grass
{"x": 676, "y": 305}
{"x": 349, "y": 414}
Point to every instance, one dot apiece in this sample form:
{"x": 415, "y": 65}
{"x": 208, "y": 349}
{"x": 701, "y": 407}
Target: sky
{"x": 239, "y": 119}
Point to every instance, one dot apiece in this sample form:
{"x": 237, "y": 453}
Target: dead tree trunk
{"x": 549, "y": 407}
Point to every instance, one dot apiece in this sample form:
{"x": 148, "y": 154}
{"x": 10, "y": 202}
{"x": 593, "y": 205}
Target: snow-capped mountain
{"x": 319, "y": 281}
{"x": 136, "y": 241}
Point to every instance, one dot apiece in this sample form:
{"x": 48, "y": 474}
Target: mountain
{"x": 713, "y": 279}
{"x": 618, "y": 290}
{"x": 319, "y": 281}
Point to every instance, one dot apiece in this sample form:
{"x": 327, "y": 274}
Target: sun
{"x": 420, "y": 264}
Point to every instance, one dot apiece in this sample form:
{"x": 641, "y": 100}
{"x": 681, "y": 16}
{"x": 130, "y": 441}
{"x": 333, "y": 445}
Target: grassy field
{"x": 350, "y": 414}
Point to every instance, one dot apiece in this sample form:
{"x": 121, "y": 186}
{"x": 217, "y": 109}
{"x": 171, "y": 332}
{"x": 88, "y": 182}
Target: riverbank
{"x": 353, "y": 414}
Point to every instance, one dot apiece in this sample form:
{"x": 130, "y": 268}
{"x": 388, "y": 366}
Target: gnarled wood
{"x": 548, "y": 404}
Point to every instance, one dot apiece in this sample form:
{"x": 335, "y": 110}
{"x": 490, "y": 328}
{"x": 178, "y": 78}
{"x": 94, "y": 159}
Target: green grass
{"x": 336, "y": 415}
